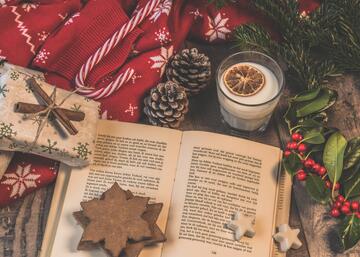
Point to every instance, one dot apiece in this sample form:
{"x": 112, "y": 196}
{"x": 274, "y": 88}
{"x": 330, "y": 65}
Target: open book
{"x": 201, "y": 178}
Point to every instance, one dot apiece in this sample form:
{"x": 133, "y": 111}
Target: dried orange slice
{"x": 244, "y": 80}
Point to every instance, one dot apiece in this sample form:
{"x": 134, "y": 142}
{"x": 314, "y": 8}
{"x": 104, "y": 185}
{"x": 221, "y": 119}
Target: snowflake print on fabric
{"x": 21, "y": 180}
{"x": 82, "y": 151}
{"x": 196, "y": 14}
{"x": 162, "y": 36}
{"x": 3, "y": 91}
{"x": 131, "y": 110}
{"x": 218, "y": 29}
{"x": 42, "y": 56}
{"x": 135, "y": 77}
{"x": 50, "y": 148}
{"x": 76, "y": 107}
{"x": 36, "y": 119}
{"x": 14, "y": 75}
{"x": 43, "y": 35}
{"x": 7, "y": 130}
{"x": 163, "y": 7}
{"x": 72, "y": 19}
{"x": 161, "y": 60}
{"x": 29, "y": 6}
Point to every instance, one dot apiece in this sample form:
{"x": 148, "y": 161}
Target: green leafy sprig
{"x": 315, "y": 47}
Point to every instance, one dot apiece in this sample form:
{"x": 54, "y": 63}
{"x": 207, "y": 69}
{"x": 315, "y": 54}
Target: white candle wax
{"x": 249, "y": 112}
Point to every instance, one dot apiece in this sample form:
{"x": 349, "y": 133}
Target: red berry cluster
{"x": 341, "y": 205}
{"x": 295, "y": 146}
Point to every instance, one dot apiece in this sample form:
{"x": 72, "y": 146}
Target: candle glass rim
{"x": 281, "y": 84}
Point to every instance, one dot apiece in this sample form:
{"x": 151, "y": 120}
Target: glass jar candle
{"x": 249, "y": 86}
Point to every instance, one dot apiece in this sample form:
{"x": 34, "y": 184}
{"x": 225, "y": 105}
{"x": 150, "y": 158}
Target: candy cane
{"x": 112, "y": 42}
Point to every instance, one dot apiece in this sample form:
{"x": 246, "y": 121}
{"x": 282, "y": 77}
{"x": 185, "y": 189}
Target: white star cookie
{"x": 287, "y": 238}
{"x": 242, "y": 226}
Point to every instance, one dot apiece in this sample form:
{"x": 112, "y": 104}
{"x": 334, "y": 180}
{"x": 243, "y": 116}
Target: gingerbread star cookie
{"x": 138, "y": 235}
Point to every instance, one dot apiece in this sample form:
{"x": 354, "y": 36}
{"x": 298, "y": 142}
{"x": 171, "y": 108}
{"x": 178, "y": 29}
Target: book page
{"x": 140, "y": 158}
{"x": 217, "y": 176}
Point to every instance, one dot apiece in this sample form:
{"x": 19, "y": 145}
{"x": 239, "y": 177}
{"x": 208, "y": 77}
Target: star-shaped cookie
{"x": 133, "y": 248}
{"x": 287, "y": 238}
{"x": 242, "y": 226}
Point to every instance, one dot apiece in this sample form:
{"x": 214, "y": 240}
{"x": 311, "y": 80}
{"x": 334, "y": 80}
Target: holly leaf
{"x": 333, "y": 156}
{"x": 310, "y": 123}
{"x": 307, "y": 95}
{"x": 352, "y": 153}
{"x": 292, "y": 163}
{"x": 315, "y": 105}
{"x": 333, "y": 95}
{"x": 320, "y": 117}
{"x": 314, "y": 136}
{"x": 350, "y": 173}
{"x": 301, "y": 109}
{"x": 316, "y": 188}
{"x": 349, "y": 232}
{"x": 351, "y": 186}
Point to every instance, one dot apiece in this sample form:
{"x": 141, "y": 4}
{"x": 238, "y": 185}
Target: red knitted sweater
{"x": 58, "y": 36}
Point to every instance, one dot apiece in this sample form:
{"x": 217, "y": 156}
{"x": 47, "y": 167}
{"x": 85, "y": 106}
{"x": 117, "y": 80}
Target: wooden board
{"x": 319, "y": 227}
{"x": 22, "y": 224}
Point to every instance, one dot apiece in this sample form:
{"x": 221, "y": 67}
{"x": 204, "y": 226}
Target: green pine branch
{"x": 315, "y": 47}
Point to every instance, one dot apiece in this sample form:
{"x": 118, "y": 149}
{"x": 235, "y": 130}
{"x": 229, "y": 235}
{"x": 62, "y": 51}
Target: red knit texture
{"x": 58, "y": 36}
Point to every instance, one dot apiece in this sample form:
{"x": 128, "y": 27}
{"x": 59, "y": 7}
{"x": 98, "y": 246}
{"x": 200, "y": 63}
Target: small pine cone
{"x": 166, "y": 105}
{"x": 190, "y": 69}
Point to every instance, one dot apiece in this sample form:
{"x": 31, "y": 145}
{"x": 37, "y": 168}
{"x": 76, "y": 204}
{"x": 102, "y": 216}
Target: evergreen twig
{"x": 315, "y": 47}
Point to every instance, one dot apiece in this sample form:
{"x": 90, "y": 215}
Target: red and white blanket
{"x": 59, "y": 36}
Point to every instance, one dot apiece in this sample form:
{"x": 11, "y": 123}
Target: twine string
{"x": 43, "y": 115}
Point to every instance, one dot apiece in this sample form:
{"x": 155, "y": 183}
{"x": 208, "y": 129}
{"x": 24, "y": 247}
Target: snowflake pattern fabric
{"x": 20, "y": 180}
{"x": 218, "y": 28}
{"x": 162, "y": 36}
{"x": 27, "y": 7}
{"x": 54, "y": 42}
{"x": 160, "y": 61}
{"x": 3, "y": 91}
{"x": 25, "y": 174}
{"x": 163, "y": 8}
{"x": 42, "y": 56}
{"x": 82, "y": 151}
{"x": 7, "y": 130}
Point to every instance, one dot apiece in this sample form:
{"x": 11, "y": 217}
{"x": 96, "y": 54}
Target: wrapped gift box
{"x": 18, "y": 132}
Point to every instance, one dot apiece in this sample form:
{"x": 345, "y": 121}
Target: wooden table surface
{"x": 22, "y": 224}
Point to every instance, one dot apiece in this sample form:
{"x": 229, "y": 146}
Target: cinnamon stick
{"x": 59, "y": 114}
{"x": 36, "y": 108}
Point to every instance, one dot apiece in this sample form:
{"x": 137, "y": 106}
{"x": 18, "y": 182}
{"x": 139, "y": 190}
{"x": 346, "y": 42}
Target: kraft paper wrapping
{"x": 17, "y": 133}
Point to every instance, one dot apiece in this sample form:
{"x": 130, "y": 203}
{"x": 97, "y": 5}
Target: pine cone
{"x": 166, "y": 105}
{"x": 190, "y": 69}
